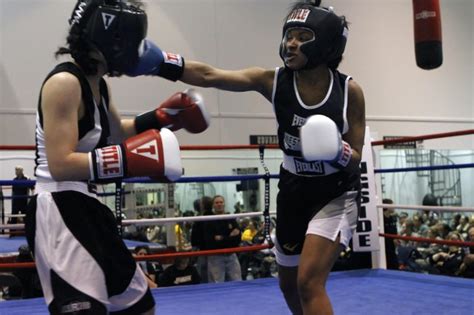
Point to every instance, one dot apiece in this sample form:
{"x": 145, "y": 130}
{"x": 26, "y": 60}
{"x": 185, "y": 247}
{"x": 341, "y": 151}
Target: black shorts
{"x": 300, "y": 198}
{"x": 81, "y": 259}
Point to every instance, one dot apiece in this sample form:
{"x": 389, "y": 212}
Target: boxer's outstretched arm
{"x": 250, "y": 79}
{"x": 153, "y": 61}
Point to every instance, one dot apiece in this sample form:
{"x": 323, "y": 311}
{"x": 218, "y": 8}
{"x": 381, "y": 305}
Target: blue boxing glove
{"x": 153, "y": 61}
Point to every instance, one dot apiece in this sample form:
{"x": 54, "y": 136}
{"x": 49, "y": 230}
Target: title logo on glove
{"x": 174, "y": 59}
{"x": 109, "y": 162}
{"x": 148, "y": 150}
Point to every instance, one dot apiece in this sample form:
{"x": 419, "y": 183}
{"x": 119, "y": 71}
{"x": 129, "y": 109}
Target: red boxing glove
{"x": 152, "y": 153}
{"x": 182, "y": 110}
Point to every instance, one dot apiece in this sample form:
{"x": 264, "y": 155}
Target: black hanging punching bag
{"x": 427, "y": 26}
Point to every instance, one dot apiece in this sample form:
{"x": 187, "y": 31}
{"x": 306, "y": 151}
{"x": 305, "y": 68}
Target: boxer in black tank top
{"x": 318, "y": 197}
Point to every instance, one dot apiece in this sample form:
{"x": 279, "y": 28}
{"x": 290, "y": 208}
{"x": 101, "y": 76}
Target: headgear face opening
{"x": 330, "y": 34}
{"x": 114, "y": 27}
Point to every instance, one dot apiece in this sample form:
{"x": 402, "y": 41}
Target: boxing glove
{"x": 153, "y": 61}
{"x": 182, "y": 110}
{"x": 152, "y": 153}
{"x": 322, "y": 141}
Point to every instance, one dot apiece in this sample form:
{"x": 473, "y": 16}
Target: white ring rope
{"x": 433, "y": 208}
{"x": 159, "y": 221}
{"x": 216, "y": 217}
{"x": 16, "y": 157}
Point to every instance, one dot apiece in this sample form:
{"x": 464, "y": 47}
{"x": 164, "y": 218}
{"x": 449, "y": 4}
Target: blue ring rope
{"x": 231, "y": 178}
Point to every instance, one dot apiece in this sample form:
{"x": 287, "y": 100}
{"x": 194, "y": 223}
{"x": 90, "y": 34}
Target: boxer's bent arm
{"x": 61, "y": 105}
{"x": 250, "y": 79}
{"x": 120, "y": 129}
{"x": 356, "y": 120}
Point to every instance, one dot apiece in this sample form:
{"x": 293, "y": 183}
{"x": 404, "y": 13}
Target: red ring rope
{"x": 253, "y": 248}
{"x": 274, "y": 146}
{"x": 428, "y": 240}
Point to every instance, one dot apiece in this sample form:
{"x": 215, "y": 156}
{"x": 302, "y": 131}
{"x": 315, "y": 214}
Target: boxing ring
{"x": 365, "y": 291}
{"x": 375, "y": 292}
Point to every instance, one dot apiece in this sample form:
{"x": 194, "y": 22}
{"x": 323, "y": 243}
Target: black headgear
{"x": 329, "y": 34}
{"x": 114, "y": 27}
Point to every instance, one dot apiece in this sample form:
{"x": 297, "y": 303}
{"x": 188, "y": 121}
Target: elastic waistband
{"x": 300, "y": 167}
{"x": 52, "y": 186}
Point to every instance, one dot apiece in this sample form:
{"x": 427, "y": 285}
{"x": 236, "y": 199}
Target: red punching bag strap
{"x": 427, "y": 27}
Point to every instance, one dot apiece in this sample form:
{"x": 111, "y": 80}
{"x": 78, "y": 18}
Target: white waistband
{"x": 300, "y": 167}
{"x": 52, "y": 186}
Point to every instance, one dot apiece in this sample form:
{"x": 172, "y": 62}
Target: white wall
{"x": 401, "y": 99}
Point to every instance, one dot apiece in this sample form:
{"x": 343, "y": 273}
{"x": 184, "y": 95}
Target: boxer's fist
{"x": 322, "y": 141}
{"x": 152, "y": 153}
{"x": 182, "y": 110}
{"x": 154, "y": 61}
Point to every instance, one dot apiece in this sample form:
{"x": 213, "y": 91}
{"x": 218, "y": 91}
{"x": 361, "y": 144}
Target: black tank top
{"x": 291, "y": 113}
{"x": 94, "y": 130}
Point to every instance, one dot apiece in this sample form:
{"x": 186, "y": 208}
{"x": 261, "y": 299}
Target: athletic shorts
{"x": 325, "y": 205}
{"x": 82, "y": 262}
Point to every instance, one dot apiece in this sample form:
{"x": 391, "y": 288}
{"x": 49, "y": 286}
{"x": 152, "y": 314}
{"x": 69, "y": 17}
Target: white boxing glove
{"x": 322, "y": 141}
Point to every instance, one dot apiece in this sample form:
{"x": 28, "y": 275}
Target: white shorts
{"x": 338, "y": 217}
{"x": 81, "y": 259}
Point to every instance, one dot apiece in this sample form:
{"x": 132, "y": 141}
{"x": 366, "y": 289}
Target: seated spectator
{"x": 30, "y": 283}
{"x": 250, "y": 232}
{"x": 419, "y": 226}
{"x": 402, "y": 217}
{"x": 179, "y": 273}
{"x": 430, "y": 217}
{"x": 448, "y": 261}
{"x": 149, "y": 269}
{"x": 463, "y": 226}
{"x": 442, "y": 229}
{"x": 467, "y": 267}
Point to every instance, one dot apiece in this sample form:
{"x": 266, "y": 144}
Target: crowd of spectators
{"x": 409, "y": 255}
{"x": 425, "y": 256}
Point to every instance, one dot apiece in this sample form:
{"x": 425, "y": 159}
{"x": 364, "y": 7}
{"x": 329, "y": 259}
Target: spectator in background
{"x": 463, "y": 226}
{"x": 430, "y": 217}
{"x": 442, "y": 229}
{"x": 390, "y": 227}
{"x": 179, "y": 273}
{"x": 467, "y": 267}
{"x": 449, "y": 261}
{"x": 197, "y": 236}
{"x": 419, "y": 227}
{"x": 218, "y": 235}
{"x": 20, "y": 194}
{"x": 455, "y": 221}
{"x": 147, "y": 267}
{"x": 249, "y": 232}
{"x": 30, "y": 283}
{"x": 402, "y": 217}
